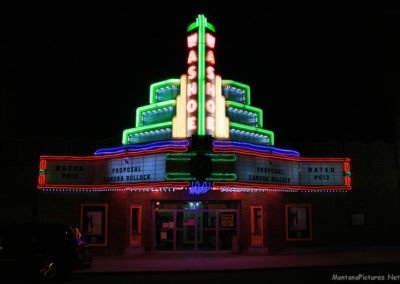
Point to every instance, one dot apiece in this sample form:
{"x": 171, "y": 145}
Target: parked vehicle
{"x": 43, "y": 251}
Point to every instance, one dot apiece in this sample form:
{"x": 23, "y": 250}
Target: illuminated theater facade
{"x": 198, "y": 172}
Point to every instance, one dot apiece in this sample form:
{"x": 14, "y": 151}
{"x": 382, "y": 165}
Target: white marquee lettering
{"x": 210, "y": 123}
{"x": 192, "y": 72}
{"x": 210, "y": 90}
{"x": 192, "y": 40}
{"x": 192, "y": 89}
{"x": 192, "y": 122}
{"x": 192, "y": 57}
{"x": 210, "y": 40}
{"x": 210, "y": 73}
{"x": 191, "y": 106}
{"x": 210, "y": 57}
{"x": 210, "y": 106}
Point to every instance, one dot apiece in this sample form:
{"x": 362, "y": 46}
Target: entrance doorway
{"x": 195, "y": 225}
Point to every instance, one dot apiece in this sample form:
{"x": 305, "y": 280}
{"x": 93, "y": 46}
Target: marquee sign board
{"x": 153, "y": 168}
{"x": 291, "y": 172}
{"x": 145, "y": 168}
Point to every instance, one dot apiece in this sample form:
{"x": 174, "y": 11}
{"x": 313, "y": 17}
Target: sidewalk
{"x": 187, "y": 261}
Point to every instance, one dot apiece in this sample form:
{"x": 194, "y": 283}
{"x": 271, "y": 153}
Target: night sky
{"x": 320, "y": 70}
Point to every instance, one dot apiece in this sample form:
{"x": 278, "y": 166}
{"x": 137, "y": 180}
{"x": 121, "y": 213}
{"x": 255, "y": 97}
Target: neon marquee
{"x": 156, "y": 154}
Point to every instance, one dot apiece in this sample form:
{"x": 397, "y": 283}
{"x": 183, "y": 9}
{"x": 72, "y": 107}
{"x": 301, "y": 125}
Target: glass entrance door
{"x": 164, "y": 230}
{"x": 205, "y": 229}
{"x": 186, "y": 230}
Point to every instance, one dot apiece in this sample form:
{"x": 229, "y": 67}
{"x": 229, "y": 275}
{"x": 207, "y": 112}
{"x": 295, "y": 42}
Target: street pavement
{"x": 206, "y": 261}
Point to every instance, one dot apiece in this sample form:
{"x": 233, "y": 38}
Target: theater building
{"x": 197, "y": 172}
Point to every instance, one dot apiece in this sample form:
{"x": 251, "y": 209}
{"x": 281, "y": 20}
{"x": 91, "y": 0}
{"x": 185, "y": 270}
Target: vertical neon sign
{"x": 200, "y": 106}
{"x": 210, "y": 84}
{"x": 192, "y": 89}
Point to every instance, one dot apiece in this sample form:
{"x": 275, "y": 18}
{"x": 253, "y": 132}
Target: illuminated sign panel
{"x": 70, "y": 172}
{"x": 192, "y": 87}
{"x": 210, "y": 84}
{"x": 276, "y": 171}
{"x": 266, "y": 170}
{"x": 322, "y": 173}
{"x": 201, "y": 87}
{"x": 146, "y": 168}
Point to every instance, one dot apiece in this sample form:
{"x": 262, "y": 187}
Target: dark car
{"x": 43, "y": 251}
